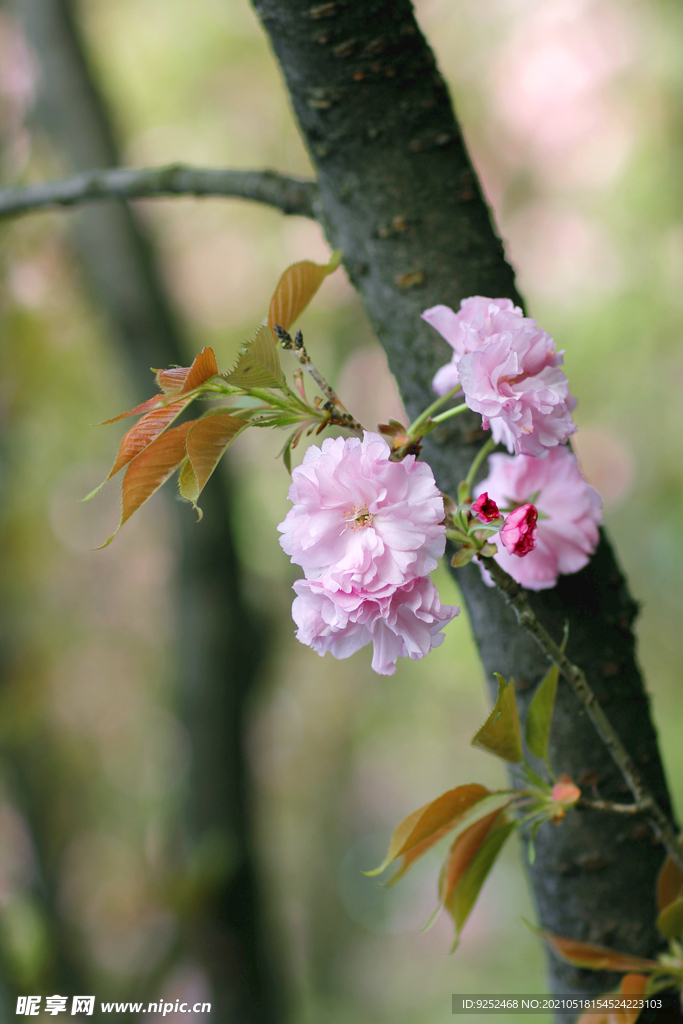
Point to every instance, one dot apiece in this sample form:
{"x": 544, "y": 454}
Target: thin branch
{"x": 340, "y": 415}
{"x": 291, "y": 195}
{"x": 613, "y": 808}
{"x": 576, "y": 678}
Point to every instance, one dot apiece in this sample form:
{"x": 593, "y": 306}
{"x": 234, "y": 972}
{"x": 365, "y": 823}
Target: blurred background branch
{"x": 220, "y": 643}
{"x": 291, "y": 195}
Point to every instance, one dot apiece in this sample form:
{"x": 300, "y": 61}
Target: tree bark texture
{"x": 400, "y": 197}
{"x": 221, "y": 642}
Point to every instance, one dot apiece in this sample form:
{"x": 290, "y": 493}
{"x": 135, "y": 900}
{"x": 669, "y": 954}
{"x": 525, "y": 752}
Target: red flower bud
{"x": 485, "y": 508}
{"x": 519, "y": 530}
{"x": 565, "y": 794}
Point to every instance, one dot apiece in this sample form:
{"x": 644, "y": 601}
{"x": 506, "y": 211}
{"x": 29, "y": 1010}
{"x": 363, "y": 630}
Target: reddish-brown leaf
{"x": 206, "y": 442}
{"x": 462, "y": 898}
{"x": 150, "y": 469}
{"x": 632, "y": 986}
{"x": 176, "y": 381}
{"x": 203, "y": 368}
{"x": 596, "y": 958}
{"x": 296, "y": 288}
{"x": 462, "y": 852}
{"x": 157, "y": 417}
{"x": 669, "y": 883}
{"x": 146, "y": 430}
{"x": 427, "y": 824}
{"x": 171, "y": 380}
{"x": 147, "y": 406}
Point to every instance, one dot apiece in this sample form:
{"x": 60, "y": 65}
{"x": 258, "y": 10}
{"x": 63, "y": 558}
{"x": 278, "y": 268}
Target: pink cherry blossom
{"x": 398, "y": 621}
{"x": 518, "y": 533}
{"x": 478, "y": 319}
{"x": 569, "y": 514}
{"x": 360, "y": 522}
{"x": 509, "y": 371}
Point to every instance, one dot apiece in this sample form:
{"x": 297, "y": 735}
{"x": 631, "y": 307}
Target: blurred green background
{"x": 572, "y": 111}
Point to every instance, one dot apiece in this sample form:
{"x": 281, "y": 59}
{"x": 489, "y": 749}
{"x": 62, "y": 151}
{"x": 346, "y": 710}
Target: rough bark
{"x": 399, "y": 196}
{"x": 219, "y": 639}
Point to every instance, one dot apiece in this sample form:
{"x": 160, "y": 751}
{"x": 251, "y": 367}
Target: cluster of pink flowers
{"x": 566, "y": 533}
{"x": 367, "y": 532}
{"x": 509, "y": 371}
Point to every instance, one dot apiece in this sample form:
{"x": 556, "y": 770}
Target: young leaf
{"x": 464, "y": 896}
{"x": 463, "y": 557}
{"x": 669, "y": 883}
{"x": 157, "y": 417}
{"x": 541, "y": 713}
{"x": 501, "y": 733}
{"x": 421, "y": 829}
{"x": 152, "y": 403}
{"x": 150, "y": 469}
{"x": 670, "y": 920}
{"x": 259, "y": 364}
{"x": 207, "y": 440}
{"x": 595, "y": 958}
{"x": 176, "y": 381}
{"x": 632, "y": 986}
{"x": 296, "y": 288}
{"x": 462, "y": 852}
{"x": 141, "y": 435}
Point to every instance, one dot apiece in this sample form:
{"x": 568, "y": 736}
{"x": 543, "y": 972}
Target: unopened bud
{"x": 565, "y": 794}
{"x": 519, "y": 530}
{"x": 485, "y": 509}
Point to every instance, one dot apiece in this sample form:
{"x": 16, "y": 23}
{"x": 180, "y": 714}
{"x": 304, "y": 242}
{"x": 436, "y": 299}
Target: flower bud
{"x": 485, "y": 508}
{"x": 565, "y": 794}
{"x": 519, "y": 530}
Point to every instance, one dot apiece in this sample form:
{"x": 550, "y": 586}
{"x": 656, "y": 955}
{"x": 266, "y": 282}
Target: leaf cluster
{"x": 480, "y": 818}
{"x": 154, "y": 448}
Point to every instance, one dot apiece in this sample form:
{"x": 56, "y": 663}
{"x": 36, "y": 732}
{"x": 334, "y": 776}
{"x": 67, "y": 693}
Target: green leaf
{"x": 462, "y": 557}
{"x": 531, "y": 850}
{"x": 541, "y": 713}
{"x": 286, "y": 451}
{"x": 670, "y": 921}
{"x": 464, "y": 896}
{"x": 501, "y": 733}
{"x": 541, "y": 709}
{"x": 463, "y": 493}
{"x": 259, "y": 364}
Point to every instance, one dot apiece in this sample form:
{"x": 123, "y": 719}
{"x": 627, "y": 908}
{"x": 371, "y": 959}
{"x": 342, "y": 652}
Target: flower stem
{"x": 340, "y": 415}
{"x": 487, "y": 447}
{"x": 576, "y": 678}
{"x": 412, "y": 429}
{"x": 455, "y": 411}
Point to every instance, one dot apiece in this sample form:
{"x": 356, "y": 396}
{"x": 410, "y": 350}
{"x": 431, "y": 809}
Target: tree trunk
{"x": 400, "y": 197}
{"x": 220, "y": 641}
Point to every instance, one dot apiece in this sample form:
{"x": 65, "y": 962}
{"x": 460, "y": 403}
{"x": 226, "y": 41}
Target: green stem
{"x": 487, "y": 447}
{"x": 432, "y": 408}
{"x": 455, "y": 411}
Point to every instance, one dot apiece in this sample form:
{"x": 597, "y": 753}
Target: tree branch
{"x": 291, "y": 195}
{"x": 611, "y": 807}
{"x": 576, "y": 677}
